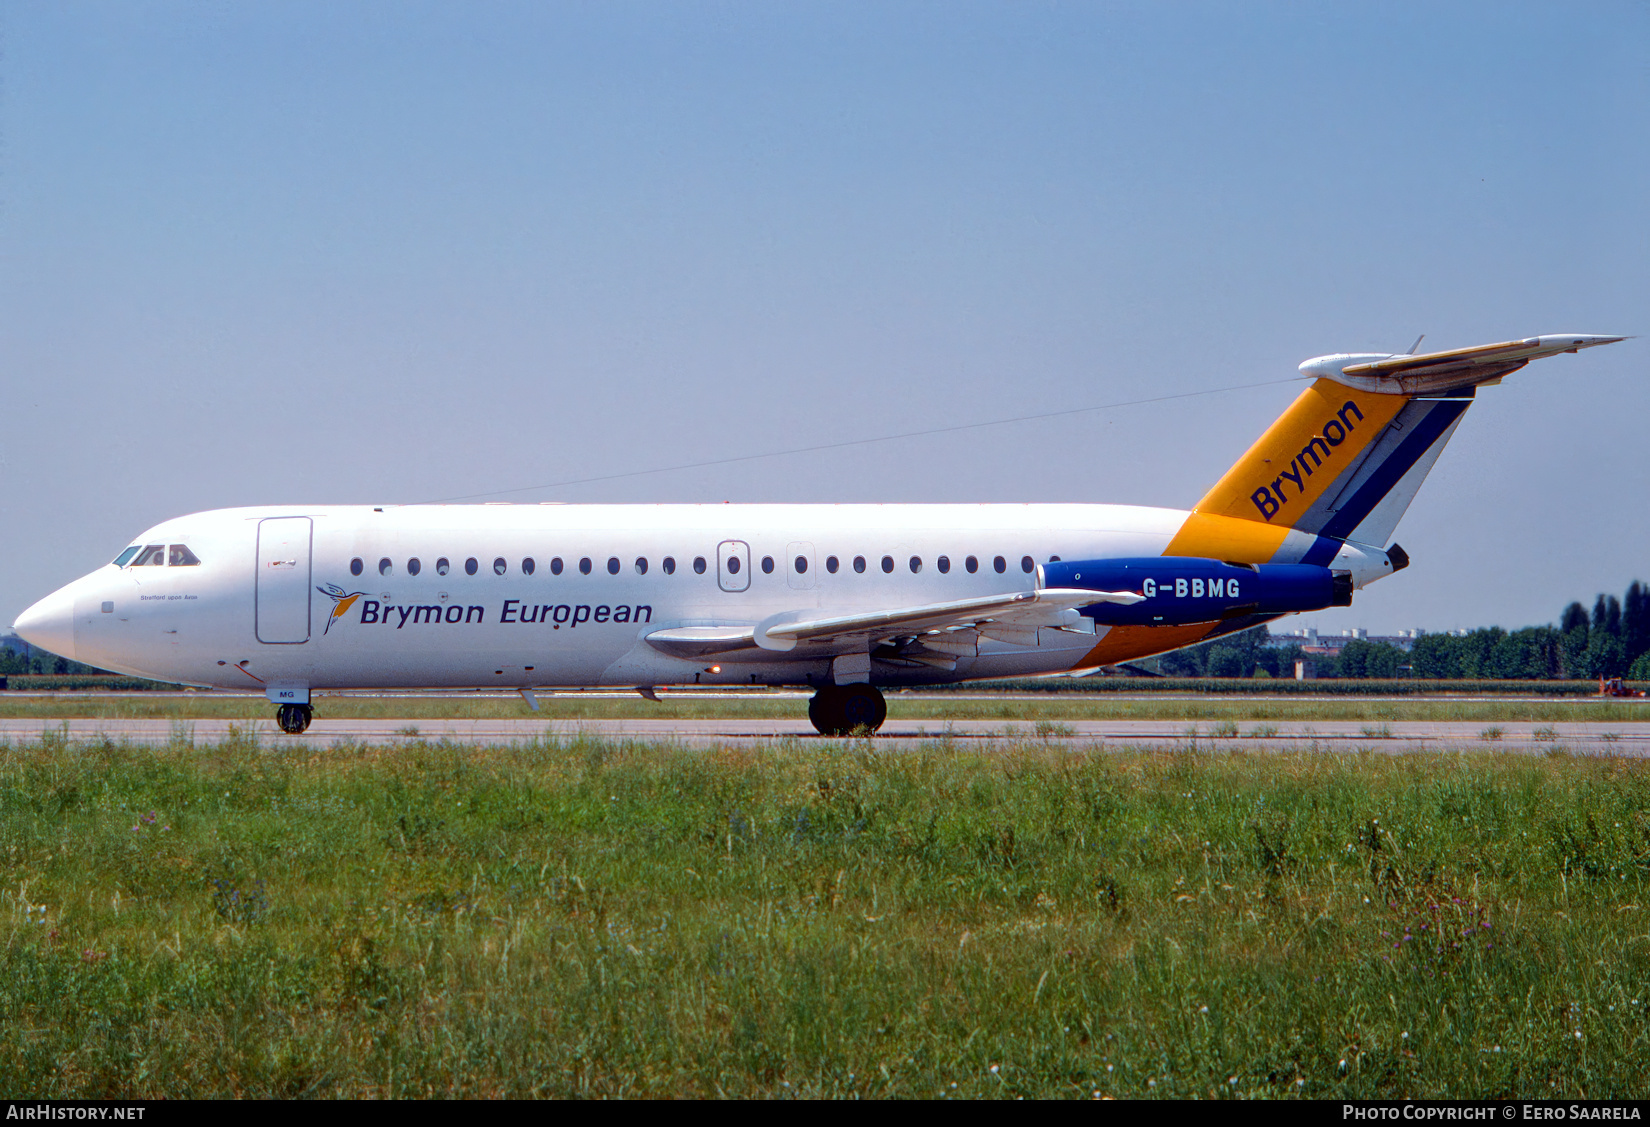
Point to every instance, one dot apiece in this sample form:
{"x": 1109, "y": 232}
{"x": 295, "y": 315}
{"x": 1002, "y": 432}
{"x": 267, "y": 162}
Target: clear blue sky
{"x": 292, "y": 253}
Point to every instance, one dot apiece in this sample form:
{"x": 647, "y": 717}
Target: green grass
{"x": 1221, "y": 711}
{"x": 818, "y": 918}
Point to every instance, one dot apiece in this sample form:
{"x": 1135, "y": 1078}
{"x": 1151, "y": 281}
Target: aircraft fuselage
{"x": 565, "y": 595}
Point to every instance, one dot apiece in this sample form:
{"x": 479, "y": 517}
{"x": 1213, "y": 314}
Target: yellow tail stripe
{"x": 1223, "y": 538}
{"x": 1289, "y": 467}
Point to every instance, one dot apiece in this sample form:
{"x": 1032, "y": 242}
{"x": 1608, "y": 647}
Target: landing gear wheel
{"x": 294, "y": 718}
{"x": 863, "y": 707}
{"x": 842, "y": 710}
{"x": 825, "y": 711}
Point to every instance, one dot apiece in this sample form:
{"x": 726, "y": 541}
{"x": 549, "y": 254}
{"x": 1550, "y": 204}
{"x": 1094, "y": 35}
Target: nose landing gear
{"x": 294, "y": 718}
{"x": 842, "y": 710}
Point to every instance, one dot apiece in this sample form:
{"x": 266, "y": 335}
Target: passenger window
{"x": 972, "y": 564}
{"x": 612, "y": 565}
{"x": 1027, "y": 563}
{"x": 733, "y": 565}
{"x": 555, "y": 565}
{"x": 888, "y": 565}
{"x": 584, "y": 566}
{"x": 859, "y": 564}
{"x": 767, "y": 565}
{"x": 413, "y": 566}
{"x": 944, "y": 564}
{"x": 528, "y": 567}
{"x": 698, "y": 565}
{"x": 1054, "y": 559}
{"x": 669, "y": 564}
{"x": 385, "y": 566}
{"x": 181, "y": 556}
{"x": 122, "y": 559}
{"x": 801, "y": 565}
{"x": 356, "y": 567}
{"x": 831, "y": 564}
{"x": 470, "y": 566}
{"x": 499, "y": 566}
{"x": 1000, "y": 565}
{"x": 641, "y": 565}
{"x": 916, "y": 564}
{"x": 442, "y": 566}
{"x": 153, "y": 555}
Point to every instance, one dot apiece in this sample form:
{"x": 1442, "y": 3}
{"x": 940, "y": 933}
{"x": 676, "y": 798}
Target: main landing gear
{"x": 294, "y": 718}
{"x": 842, "y": 710}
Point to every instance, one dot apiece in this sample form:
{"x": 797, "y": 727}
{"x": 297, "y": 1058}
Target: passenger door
{"x": 283, "y": 584}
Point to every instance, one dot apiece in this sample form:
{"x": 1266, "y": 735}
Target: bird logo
{"x": 342, "y": 600}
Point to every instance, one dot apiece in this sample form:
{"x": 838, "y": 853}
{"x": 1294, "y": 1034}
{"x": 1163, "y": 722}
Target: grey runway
{"x": 1621, "y": 739}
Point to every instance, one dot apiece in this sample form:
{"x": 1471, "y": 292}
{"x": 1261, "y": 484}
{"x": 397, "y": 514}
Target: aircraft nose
{"x": 49, "y": 624}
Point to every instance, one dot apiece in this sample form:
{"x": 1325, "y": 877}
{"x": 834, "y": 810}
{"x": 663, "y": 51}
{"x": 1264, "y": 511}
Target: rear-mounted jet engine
{"x": 1180, "y": 590}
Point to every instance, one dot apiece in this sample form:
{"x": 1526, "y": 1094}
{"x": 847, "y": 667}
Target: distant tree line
{"x": 1612, "y": 641}
{"x": 15, "y": 663}
{"x": 1244, "y": 654}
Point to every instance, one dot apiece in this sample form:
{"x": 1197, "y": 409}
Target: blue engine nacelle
{"x": 1180, "y": 590}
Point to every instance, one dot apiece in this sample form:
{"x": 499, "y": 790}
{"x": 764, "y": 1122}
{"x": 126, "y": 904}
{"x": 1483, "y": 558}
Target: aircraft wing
{"x": 1027, "y": 609}
{"x": 1013, "y": 617}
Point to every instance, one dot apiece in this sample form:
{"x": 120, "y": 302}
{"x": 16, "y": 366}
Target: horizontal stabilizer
{"x": 1436, "y": 372}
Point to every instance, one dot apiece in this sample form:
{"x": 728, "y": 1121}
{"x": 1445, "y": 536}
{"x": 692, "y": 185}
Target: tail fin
{"x": 1348, "y": 456}
{"x": 1340, "y": 462}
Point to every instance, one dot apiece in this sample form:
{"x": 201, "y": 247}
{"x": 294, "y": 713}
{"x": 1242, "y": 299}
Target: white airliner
{"x": 297, "y": 599}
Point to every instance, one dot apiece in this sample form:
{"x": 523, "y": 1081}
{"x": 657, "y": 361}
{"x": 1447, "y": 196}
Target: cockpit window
{"x": 181, "y": 556}
{"x": 126, "y": 557}
{"x": 152, "y": 555}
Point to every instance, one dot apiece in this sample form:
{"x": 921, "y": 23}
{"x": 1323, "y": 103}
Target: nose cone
{"x": 49, "y": 624}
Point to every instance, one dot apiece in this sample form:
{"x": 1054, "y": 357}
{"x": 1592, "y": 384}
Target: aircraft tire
{"x": 863, "y": 707}
{"x": 825, "y": 711}
{"x": 842, "y": 710}
{"x": 294, "y": 718}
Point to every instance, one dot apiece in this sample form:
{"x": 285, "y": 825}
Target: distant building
{"x": 1330, "y": 645}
